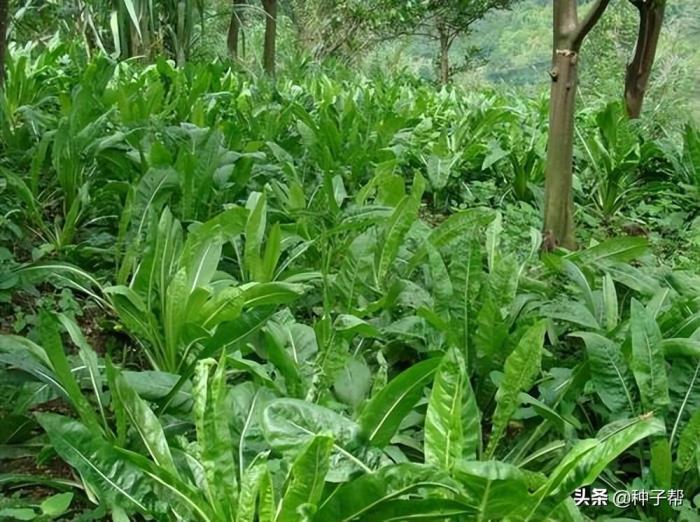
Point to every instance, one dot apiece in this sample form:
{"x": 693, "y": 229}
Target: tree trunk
{"x": 4, "y": 11}
{"x": 651, "y": 17}
{"x": 569, "y": 33}
{"x": 182, "y": 34}
{"x": 559, "y": 206}
{"x": 444, "y": 57}
{"x": 269, "y": 51}
{"x": 234, "y": 28}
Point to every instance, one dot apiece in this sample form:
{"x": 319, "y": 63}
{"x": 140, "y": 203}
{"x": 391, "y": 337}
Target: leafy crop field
{"x": 325, "y": 297}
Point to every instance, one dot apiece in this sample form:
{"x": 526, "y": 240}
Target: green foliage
{"x": 322, "y": 299}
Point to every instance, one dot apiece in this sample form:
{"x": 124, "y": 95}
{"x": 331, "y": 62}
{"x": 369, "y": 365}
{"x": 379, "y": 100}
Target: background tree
{"x": 651, "y": 17}
{"x": 4, "y": 15}
{"x": 337, "y": 28}
{"x": 235, "y": 29}
{"x": 440, "y": 20}
{"x": 269, "y": 51}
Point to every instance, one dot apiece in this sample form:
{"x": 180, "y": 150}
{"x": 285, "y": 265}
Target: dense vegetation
{"x": 323, "y": 296}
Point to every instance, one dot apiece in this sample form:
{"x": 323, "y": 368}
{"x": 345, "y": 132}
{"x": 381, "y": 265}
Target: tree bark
{"x": 269, "y": 52}
{"x": 4, "y": 12}
{"x": 651, "y": 17}
{"x": 559, "y": 206}
{"x": 234, "y": 28}
{"x": 444, "y": 56}
{"x": 569, "y": 33}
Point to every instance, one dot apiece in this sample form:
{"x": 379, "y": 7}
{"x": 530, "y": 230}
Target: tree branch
{"x": 585, "y": 26}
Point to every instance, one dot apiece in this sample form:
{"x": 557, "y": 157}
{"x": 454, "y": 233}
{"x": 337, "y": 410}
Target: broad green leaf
{"x": 164, "y": 245}
{"x": 610, "y": 374}
{"x": 681, "y": 347}
{"x": 684, "y": 388}
{"x": 273, "y": 251}
{"x": 227, "y": 335}
{"x": 349, "y": 325}
{"x": 588, "y": 459}
{"x": 382, "y": 415}
{"x": 150, "y": 196}
{"x": 573, "y": 312}
{"x": 176, "y": 301}
{"x": 577, "y": 276}
{"x": 648, "y": 362}
{"x": 494, "y": 488}
{"x": 251, "y": 483}
{"x": 284, "y": 359}
{"x": 400, "y": 510}
{"x": 440, "y": 283}
{"x": 254, "y": 235}
{"x": 89, "y": 359}
{"x": 491, "y": 335}
{"x": 51, "y": 339}
{"x": 247, "y": 401}
{"x": 182, "y": 499}
{"x": 633, "y": 277}
{"x": 270, "y": 294}
{"x": 132, "y": 312}
{"x": 146, "y": 424}
{"x": 610, "y": 303}
{"x": 152, "y": 386}
{"x": 688, "y": 443}
{"x": 493, "y": 241}
{"x": 267, "y": 504}
{"x": 224, "y": 305}
{"x": 520, "y": 370}
{"x": 661, "y": 463}
{"x": 439, "y": 168}
{"x": 214, "y": 438}
{"x": 290, "y": 423}
{"x": 466, "y": 274}
{"x": 353, "y": 383}
{"x": 393, "y": 235}
{"x": 622, "y": 249}
{"x": 18, "y": 514}
{"x": 56, "y": 505}
{"x": 306, "y": 479}
{"x": 496, "y": 153}
{"x": 201, "y": 252}
{"x": 471, "y": 424}
{"x": 115, "y": 480}
{"x": 357, "y": 499}
{"x": 444, "y": 440}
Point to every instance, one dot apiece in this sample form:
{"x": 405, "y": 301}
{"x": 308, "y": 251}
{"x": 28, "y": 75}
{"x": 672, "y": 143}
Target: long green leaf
{"x": 394, "y": 232}
{"x": 495, "y": 489}
{"x": 214, "y": 438}
{"x": 444, "y": 440}
{"x": 381, "y": 417}
{"x": 288, "y": 423}
{"x": 51, "y": 339}
{"x": 306, "y": 479}
{"x": 116, "y": 481}
{"x": 687, "y": 453}
{"x": 588, "y": 459}
{"x": 648, "y": 362}
{"x": 146, "y": 424}
{"x": 520, "y": 370}
{"x": 610, "y": 374}
{"x": 356, "y": 499}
